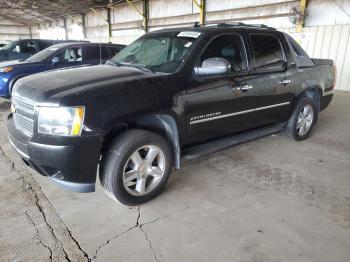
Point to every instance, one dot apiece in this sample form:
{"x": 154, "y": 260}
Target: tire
{"x": 294, "y": 127}
{"x": 128, "y": 173}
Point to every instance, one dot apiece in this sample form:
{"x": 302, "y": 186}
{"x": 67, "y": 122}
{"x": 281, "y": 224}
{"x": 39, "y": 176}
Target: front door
{"x": 219, "y": 105}
{"x": 95, "y": 54}
{"x": 69, "y": 57}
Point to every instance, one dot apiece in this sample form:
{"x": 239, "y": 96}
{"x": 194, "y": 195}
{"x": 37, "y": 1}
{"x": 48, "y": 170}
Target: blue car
{"x": 55, "y": 57}
{"x": 24, "y": 48}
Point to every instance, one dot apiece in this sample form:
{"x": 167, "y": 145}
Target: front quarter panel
{"x": 4, "y": 81}
{"x": 114, "y": 102}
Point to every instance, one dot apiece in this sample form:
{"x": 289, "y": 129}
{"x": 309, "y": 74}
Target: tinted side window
{"x": 267, "y": 52}
{"x": 297, "y": 48}
{"x": 70, "y": 55}
{"x": 114, "y": 50}
{"x": 27, "y": 46}
{"x": 92, "y": 53}
{"x": 229, "y": 47}
{"x": 44, "y": 44}
{"x": 104, "y": 53}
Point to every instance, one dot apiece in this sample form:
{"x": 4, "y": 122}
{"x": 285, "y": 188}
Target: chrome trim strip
{"x": 221, "y": 116}
{"x": 238, "y": 113}
{"x": 271, "y": 106}
{"x": 331, "y": 92}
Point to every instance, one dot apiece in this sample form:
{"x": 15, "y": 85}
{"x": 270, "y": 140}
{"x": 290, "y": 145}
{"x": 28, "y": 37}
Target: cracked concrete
{"x": 268, "y": 200}
{"x": 138, "y": 225}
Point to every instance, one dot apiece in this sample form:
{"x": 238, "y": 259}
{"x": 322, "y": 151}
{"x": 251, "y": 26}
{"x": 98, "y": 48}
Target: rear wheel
{"x": 303, "y": 119}
{"x": 136, "y": 167}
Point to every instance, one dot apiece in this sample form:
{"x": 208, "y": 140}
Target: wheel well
{"x": 12, "y": 83}
{"x": 161, "y": 124}
{"x": 314, "y": 93}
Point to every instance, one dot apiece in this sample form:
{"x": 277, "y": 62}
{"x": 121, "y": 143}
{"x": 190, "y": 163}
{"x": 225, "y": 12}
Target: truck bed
{"x": 318, "y": 61}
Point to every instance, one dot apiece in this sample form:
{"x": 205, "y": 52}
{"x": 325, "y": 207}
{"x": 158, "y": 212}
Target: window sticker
{"x": 188, "y": 44}
{"x": 189, "y": 34}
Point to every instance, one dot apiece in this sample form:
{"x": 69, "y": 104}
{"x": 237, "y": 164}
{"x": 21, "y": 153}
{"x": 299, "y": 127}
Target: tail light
{"x": 335, "y": 76}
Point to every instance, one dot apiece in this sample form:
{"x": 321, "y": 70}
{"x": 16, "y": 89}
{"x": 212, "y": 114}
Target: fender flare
{"x": 314, "y": 92}
{"x": 14, "y": 80}
{"x": 166, "y": 125}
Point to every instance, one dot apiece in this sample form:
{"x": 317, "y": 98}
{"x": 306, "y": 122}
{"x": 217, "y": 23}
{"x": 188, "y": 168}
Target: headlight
{"x": 6, "y": 69}
{"x": 61, "y": 121}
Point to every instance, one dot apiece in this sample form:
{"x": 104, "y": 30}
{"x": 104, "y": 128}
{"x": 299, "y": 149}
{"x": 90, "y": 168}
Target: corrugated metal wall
{"x": 126, "y": 23}
{"x": 328, "y": 42}
{"x": 10, "y": 30}
{"x": 322, "y": 37}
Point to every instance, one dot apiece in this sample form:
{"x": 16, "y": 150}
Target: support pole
{"x": 83, "y": 25}
{"x": 145, "y": 15}
{"x": 301, "y": 21}
{"x": 30, "y": 32}
{"x": 65, "y": 27}
{"x": 201, "y": 6}
{"x": 109, "y": 25}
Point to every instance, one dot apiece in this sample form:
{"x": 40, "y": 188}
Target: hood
{"x": 10, "y": 55}
{"x": 11, "y": 63}
{"x": 51, "y": 86}
{"x": 3, "y": 55}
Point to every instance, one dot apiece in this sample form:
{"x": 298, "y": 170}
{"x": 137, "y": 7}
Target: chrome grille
{"x": 24, "y": 105}
{"x": 24, "y": 115}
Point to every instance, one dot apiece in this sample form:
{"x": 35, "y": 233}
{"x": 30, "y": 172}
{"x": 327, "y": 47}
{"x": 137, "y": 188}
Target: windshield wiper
{"x": 138, "y": 66}
{"x": 110, "y": 62}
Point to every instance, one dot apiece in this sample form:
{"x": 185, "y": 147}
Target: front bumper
{"x": 4, "y": 92}
{"x": 71, "y": 162}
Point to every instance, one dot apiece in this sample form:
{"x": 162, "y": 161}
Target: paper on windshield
{"x": 189, "y": 34}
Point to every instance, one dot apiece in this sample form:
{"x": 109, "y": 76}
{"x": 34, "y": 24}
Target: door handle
{"x": 285, "y": 82}
{"x": 245, "y": 87}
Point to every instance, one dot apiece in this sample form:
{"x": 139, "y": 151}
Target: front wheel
{"x": 136, "y": 167}
{"x": 303, "y": 119}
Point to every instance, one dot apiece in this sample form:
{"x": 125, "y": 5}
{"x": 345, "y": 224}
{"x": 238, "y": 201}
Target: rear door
{"x": 271, "y": 81}
{"x": 95, "y": 54}
{"x": 113, "y": 50}
{"x": 42, "y": 44}
{"x": 69, "y": 57}
{"x": 219, "y": 105}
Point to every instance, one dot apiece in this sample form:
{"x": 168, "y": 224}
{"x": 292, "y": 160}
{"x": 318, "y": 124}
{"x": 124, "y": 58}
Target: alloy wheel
{"x": 144, "y": 170}
{"x": 305, "y": 120}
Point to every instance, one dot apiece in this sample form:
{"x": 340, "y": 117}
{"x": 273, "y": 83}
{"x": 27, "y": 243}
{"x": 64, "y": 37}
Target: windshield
{"x": 10, "y": 46}
{"x": 163, "y": 52}
{"x": 42, "y": 55}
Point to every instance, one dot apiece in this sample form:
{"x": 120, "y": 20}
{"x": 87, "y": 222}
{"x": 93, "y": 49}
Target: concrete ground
{"x": 268, "y": 200}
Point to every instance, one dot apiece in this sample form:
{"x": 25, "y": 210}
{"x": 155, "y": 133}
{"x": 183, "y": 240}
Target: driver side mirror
{"x": 213, "y": 66}
{"x": 55, "y": 60}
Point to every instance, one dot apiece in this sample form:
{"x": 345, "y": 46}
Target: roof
{"x": 51, "y": 40}
{"x": 38, "y": 11}
{"x": 63, "y": 45}
{"x": 219, "y": 27}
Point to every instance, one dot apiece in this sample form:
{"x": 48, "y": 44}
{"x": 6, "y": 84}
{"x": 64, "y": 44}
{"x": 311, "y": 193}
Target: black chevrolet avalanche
{"x": 171, "y": 94}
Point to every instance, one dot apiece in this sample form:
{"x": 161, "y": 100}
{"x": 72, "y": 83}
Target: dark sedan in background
{"x": 24, "y": 48}
{"x": 55, "y": 57}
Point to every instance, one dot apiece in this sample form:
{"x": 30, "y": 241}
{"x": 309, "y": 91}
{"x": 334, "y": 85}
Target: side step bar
{"x": 227, "y": 142}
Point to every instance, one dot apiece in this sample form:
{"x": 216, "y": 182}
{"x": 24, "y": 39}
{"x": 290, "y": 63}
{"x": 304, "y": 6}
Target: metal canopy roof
{"x": 37, "y": 11}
